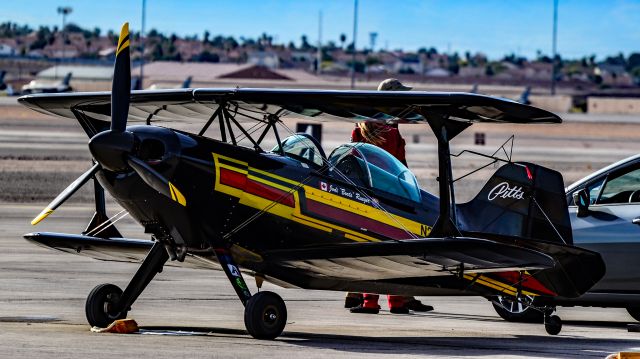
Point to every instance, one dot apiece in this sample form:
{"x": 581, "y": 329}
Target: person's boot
{"x": 417, "y": 306}
{"x": 369, "y": 305}
{"x": 365, "y": 310}
{"x": 399, "y": 310}
{"x": 353, "y": 300}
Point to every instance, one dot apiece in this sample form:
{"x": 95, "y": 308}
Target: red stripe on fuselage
{"x": 233, "y": 179}
{"x": 269, "y": 193}
{"x": 528, "y": 282}
{"x": 353, "y": 219}
{"x": 240, "y": 181}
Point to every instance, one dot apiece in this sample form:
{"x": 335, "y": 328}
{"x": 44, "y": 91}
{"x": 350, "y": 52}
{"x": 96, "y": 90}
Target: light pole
{"x": 554, "y": 42}
{"x": 353, "y": 54}
{"x": 144, "y": 10}
{"x": 64, "y": 11}
{"x": 319, "y": 52}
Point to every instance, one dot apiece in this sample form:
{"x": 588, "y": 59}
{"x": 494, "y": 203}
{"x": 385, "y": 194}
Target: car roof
{"x": 601, "y": 171}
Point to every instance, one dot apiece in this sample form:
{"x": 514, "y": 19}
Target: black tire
{"x": 514, "y": 311}
{"x": 634, "y": 312}
{"x": 265, "y": 315}
{"x": 99, "y": 303}
{"x": 553, "y": 325}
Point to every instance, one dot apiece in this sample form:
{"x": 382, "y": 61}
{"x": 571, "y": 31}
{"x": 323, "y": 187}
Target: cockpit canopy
{"x": 370, "y": 166}
{"x": 362, "y": 164}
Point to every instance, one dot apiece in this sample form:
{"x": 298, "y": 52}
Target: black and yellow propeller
{"x": 113, "y": 149}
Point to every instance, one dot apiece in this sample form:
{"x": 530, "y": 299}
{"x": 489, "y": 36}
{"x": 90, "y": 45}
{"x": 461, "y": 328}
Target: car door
{"x": 612, "y": 227}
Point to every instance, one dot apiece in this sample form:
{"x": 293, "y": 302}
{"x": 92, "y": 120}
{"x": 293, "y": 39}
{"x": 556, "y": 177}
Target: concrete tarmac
{"x": 188, "y": 313}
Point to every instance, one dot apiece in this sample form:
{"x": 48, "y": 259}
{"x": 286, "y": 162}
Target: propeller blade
{"x": 155, "y": 180}
{"x": 68, "y": 192}
{"x": 121, "y": 86}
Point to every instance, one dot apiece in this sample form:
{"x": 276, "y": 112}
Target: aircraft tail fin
{"x": 2, "y": 74}
{"x": 67, "y": 79}
{"x": 524, "y": 97}
{"x": 187, "y": 82}
{"x": 520, "y": 199}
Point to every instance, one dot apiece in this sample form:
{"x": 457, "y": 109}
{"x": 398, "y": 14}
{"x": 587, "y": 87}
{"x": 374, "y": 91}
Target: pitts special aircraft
{"x": 353, "y": 221}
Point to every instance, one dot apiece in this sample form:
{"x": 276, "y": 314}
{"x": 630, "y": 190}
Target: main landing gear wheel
{"x": 100, "y": 303}
{"x": 513, "y": 310}
{"x": 552, "y": 324}
{"x": 265, "y": 315}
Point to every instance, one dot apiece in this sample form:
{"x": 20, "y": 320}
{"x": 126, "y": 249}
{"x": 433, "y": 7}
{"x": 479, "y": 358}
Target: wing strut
{"x": 445, "y": 130}
{"x": 100, "y": 217}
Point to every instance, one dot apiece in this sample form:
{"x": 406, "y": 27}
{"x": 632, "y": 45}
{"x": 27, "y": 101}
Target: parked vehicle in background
{"x": 604, "y": 208}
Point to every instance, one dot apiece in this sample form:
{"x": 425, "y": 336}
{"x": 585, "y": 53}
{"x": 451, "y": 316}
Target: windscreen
{"x": 384, "y": 171}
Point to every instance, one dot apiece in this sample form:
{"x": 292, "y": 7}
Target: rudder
{"x": 520, "y": 199}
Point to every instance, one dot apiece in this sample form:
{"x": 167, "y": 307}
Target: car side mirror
{"x": 581, "y": 199}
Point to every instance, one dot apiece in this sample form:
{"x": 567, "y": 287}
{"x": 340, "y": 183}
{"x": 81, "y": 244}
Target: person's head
{"x": 392, "y": 85}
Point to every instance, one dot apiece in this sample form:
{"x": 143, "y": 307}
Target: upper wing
{"x": 166, "y": 107}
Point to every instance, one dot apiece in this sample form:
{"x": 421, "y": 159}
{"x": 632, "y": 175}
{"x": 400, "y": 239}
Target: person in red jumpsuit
{"x": 388, "y": 138}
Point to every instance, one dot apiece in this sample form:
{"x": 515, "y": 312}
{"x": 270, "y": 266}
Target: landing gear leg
{"x": 107, "y": 302}
{"x": 265, "y": 313}
{"x": 552, "y": 323}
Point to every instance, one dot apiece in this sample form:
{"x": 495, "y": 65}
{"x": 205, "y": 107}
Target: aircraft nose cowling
{"x": 110, "y": 148}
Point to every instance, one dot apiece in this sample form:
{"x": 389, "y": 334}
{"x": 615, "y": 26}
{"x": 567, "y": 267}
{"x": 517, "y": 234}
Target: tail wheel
{"x": 513, "y": 310}
{"x": 100, "y": 303}
{"x": 265, "y": 315}
{"x": 553, "y": 325}
{"x": 634, "y": 312}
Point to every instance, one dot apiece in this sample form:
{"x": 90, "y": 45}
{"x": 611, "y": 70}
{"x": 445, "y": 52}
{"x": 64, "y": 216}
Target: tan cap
{"x": 392, "y": 85}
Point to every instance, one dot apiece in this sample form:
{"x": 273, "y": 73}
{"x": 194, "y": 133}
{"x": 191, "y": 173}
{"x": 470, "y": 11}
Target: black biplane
{"x": 355, "y": 220}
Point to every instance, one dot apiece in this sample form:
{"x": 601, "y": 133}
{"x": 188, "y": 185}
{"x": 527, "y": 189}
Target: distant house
{"x": 56, "y": 51}
{"x": 408, "y": 64}
{"x": 613, "y": 74}
{"x": 6, "y": 50}
{"x": 471, "y": 71}
{"x": 538, "y": 70}
{"x": 302, "y": 56}
{"x": 264, "y": 58}
{"x": 108, "y": 53}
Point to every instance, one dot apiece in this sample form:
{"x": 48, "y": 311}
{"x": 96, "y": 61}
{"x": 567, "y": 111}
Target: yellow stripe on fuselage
{"x": 294, "y": 214}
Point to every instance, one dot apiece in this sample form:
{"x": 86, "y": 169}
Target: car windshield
{"x": 370, "y": 166}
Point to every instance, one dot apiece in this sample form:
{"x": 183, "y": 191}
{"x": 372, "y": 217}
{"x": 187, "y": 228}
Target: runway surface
{"x": 190, "y": 313}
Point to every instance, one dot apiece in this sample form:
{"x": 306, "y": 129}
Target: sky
{"x": 494, "y": 27}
